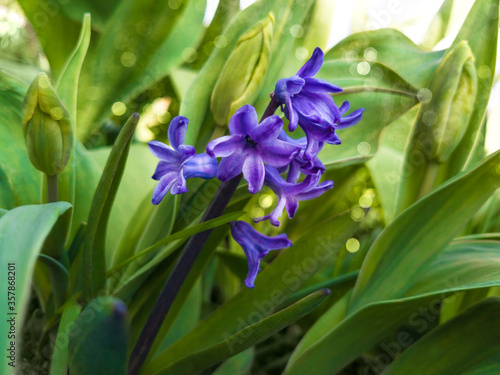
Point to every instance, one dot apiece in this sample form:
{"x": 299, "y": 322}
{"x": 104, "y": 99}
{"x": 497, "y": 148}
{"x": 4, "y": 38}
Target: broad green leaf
{"x": 416, "y": 236}
{"x": 382, "y": 92}
{"x": 177, "y": 48}
{"x": 412, "y": 63}
{"x": 56, "y": 32}
{"x": 338, "y": 342}
{"x": 241, "y": 340}
{"x": 24, "y": 230}
{"x": 135, "y": 184}
{"x": 127, "y": 44}
{"x": 98, "y": 338}
{"x": 60, "y": 358}
{"x": 466, "y": 343}
{"x": 330, "y": 319}
{"x": 474, "y": 263}
{"x": 439, "y": 25}
{"x": 94, "y": 253}
{"x": 286, "y": 274}
{"x": 101, "y": 11}
{"x": 385, "y": 166}
{"x": 480, "y": 30}
{"x": 241, "y": 363}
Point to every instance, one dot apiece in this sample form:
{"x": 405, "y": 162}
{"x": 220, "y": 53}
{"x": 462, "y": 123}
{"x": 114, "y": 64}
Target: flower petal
{"x": 293, "y": 117}
{"x": 202, "y": 165}
{"x": 253, "y": 172}
{"x": 267, "y": 131}
{"x": 163, "y": 168}
{"x": 179, "y": 186}
{"x": 292, "y": 205}
{"x": 279, "y": 153}
{"x": 316, "y": 191}
{"x": 163, "y": 186}
{"x": 163, "y": 152}
{"x": 294, "y": 84}
{"x": 177, "y": 131}
{"x": 313, "y": 65}
{"x": 186, "y": 152}
{"x": 231, "y": 166}
{"x": 320, "y": 85}
{"x": 225, "y": 146}
{"x": 256, "y": 246}
{"x": 351, "y": 119}
{"x": 344, "y": 108}
{"x": 243, "y": 121}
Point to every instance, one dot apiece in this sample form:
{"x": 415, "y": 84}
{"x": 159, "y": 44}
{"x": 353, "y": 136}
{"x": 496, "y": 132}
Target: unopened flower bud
{"x": 244, "y": 71}
{"x": 445, "y": 117}
{"x": 46, "y": 126}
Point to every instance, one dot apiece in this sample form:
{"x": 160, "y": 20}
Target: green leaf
{"x": 467, "y": 343}
{"x": 385, "y": 166}
{"x": 123, "y": 53}
{"x": 439, "y": 25}
{"x": 24, "y": 230}
{"x": 412, "y": 63}
{"x": 60, "y": 358}
{"x": 133, "y": 195}
{"x": 336, "y": 340}
{"x": 101, "y": 11}
{"x": 241, "y": 340}
{"x": 417, "y": 236}
{"x": 480, "y": 30}
{"x": 286, "y": 274}
{"x": 239, "y": 364}
{"x": 98, "y": 339}
{"x": 56, "y": 32}
{"x": 94, "y": 255}
{"x": 383, "y": 93}
{"x": 176, "y": 49}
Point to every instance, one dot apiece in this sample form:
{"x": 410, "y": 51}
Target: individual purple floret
{"x": 249, "y": 146}
{"x": 306, "y": 101}
{"x": 179, "y": 162}
{"x": 289, "y": 193}
{"x": 256, "y": 246}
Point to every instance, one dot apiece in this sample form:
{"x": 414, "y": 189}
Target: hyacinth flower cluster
{"x": 264, "y": 154}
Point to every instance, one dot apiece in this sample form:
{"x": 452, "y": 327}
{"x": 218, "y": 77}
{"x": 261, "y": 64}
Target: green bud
{"x": 444, "y": 118}
{"x": 243, "y": 74}
{"x": 46, "y": 126}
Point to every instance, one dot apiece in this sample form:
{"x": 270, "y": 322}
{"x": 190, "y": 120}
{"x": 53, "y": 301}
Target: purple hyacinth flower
{"x": 289, "y": 193}
{"x": 179, "y": 162}
{"x": 301, "y": 163}
{"x": 306, "y": 101}
{"x": 249, "y": 146}
{"x": 304, "y": 98}
{"x": 256, "y": 246}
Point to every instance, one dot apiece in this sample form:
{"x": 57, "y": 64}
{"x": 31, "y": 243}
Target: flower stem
{"x": 271, "y": 108}
{"x": 52, "y": 194}
{"x": 183, "y": 266}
